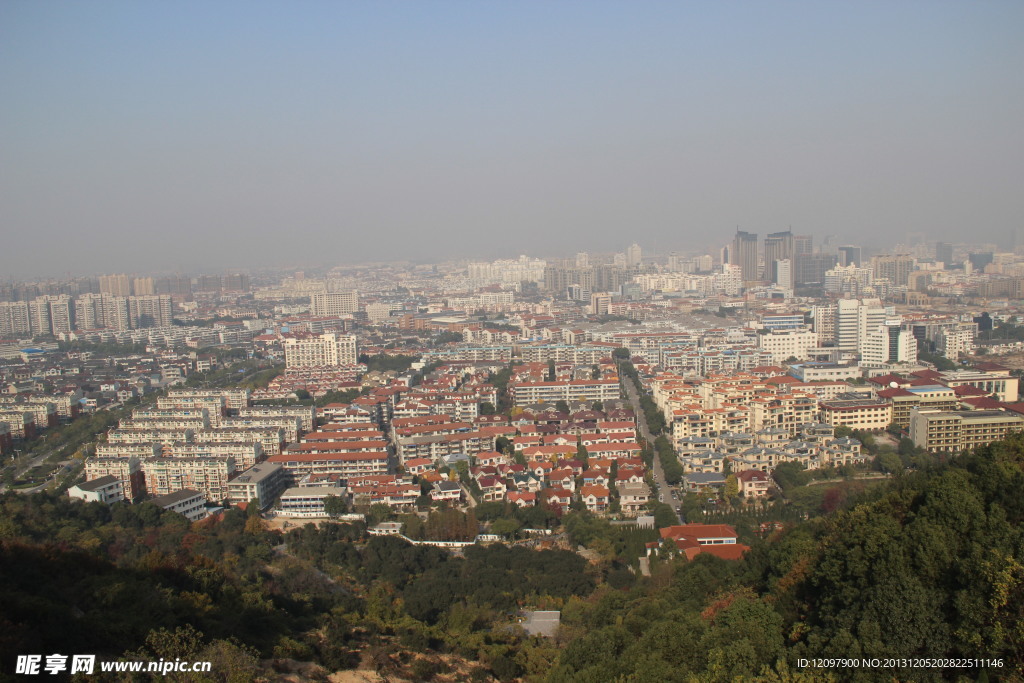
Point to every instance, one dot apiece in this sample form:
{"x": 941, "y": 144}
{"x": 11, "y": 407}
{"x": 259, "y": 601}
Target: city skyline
{"x": 227, "y": 136}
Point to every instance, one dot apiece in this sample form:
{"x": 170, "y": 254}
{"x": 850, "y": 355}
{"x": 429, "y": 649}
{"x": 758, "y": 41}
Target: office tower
{"x": 895, "y": 268}
{"x": 811, "y": 268}
{"x": 849, "y": 255}
{"x": 784, "y": 273}
{"x": 888, "y": 343}
{"x": 944, "y": 252}
{"x": 743, "y": 253}
{"x": 803, "y": 244}
{"x": 334, "y": 303}
{"x": 116, "y": 285}
{"x": 778, "y": 246}
{"x": 980, "y": 260}
{"x": 854, "y": 318}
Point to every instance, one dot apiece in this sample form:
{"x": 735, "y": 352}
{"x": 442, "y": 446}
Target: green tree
{"x": 335, "y": 505}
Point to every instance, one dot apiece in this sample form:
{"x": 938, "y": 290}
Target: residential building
{"x": 107, "y": 489}
{"x": 187, "y": 502}
{"x": 955, "y": 431}
{"x": 325, "y": 350}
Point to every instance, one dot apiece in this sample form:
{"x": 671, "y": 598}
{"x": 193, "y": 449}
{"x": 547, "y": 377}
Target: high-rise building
{"x": 634, "y": 255}
{"x": 673, "y": 263}
{"x": 980, "y": 260}
{"x": 778, "y": 246}
{"x": 14, "y": 318}
{"x": 39, "y": 316}
{"x": 743, "y": 253}
{"x": 895, "y": 268}
{"x": 784, "y": 273}
{"x": 811, "y": 268}
{"x": 854, "y": 318}
{"x": 944, "y": 252}
{"x": 889, "y": 343}
{"x": 235, "y": 282}
{"x": 117, "y": 285}
{"x": 849, "y": 255}
{"x": 143, "y": 286}
{"x": 150, "y": 311}
{"x": 334, "y": 303}
{"x": 803, "y": 244}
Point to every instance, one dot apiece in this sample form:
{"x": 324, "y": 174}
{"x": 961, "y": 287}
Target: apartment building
{"x": 324, "y": 350}
{"x": 958, "y": 430}
{"x": 528, "y": 393}
{"x": 857, "y": 412}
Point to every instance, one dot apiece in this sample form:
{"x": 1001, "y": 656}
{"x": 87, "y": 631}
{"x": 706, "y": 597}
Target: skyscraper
{"x": 849, "y": 255}
{"x": 634, "y": 255}
{"x": 743, "y": 253}
{"x": 778, "y": 246}
{"x": 944, "y": 252}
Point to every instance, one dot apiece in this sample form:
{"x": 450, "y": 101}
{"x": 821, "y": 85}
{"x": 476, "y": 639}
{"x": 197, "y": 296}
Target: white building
{"x": 325, "y": 350}
{"x": 784, "y": 344}
{"x": 334, "y": 303}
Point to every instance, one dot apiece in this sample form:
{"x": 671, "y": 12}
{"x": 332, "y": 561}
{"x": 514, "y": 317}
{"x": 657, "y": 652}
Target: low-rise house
{"x": 633, "y": 496}
{"x": 188, "y": 502}
{"x": 108, "y": 489}
{"x": 596, "y": 498}
{"x": 522, "y": 498}
{"x": 754, "y": 483}
{"x": 446, "y": 491}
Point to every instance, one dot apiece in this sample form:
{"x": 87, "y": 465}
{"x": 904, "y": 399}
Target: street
{"x": 659, "y": 474}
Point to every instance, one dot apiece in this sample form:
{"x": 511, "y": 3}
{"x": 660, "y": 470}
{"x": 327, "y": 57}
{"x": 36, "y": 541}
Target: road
{"x": 659, "y": 474}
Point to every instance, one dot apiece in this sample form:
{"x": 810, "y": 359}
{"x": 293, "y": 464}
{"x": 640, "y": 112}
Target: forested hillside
{"x": 928, "y": 565}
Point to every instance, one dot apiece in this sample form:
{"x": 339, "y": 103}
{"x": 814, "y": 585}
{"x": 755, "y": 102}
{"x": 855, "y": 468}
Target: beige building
{"x": 857, "y": 413}
{"x": 954, "y": 431}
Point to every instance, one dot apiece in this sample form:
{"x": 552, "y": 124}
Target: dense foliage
{"x": 931, "y": 565}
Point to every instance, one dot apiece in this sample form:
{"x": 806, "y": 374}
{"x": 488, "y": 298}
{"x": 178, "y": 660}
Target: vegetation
{"x": 384, "y": 362}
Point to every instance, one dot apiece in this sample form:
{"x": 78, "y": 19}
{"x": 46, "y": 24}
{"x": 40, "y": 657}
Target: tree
{"x": 487, "y": 408}
{"x": 621, "y": 353}
{"x": 335, "y": 505}
{"x": 561, "y": 406}
{"x": 732, "y": 487}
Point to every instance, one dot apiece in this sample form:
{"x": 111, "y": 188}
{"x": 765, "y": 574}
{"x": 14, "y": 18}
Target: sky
{"x": 218, "y": 135}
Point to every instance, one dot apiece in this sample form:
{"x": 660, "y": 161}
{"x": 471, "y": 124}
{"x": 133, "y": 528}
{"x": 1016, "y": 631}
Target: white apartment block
{"x": 324, "y": 304}
{"x": 207, "y": 475}
{"x": 888, "y": 344}
{"x": 325, "y": 350}
{"x": 791, "y": 343}
{"x": 526, "y": 393}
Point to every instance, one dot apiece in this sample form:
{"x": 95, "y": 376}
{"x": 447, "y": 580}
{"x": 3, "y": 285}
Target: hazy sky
{"x": 137, "y": 136}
